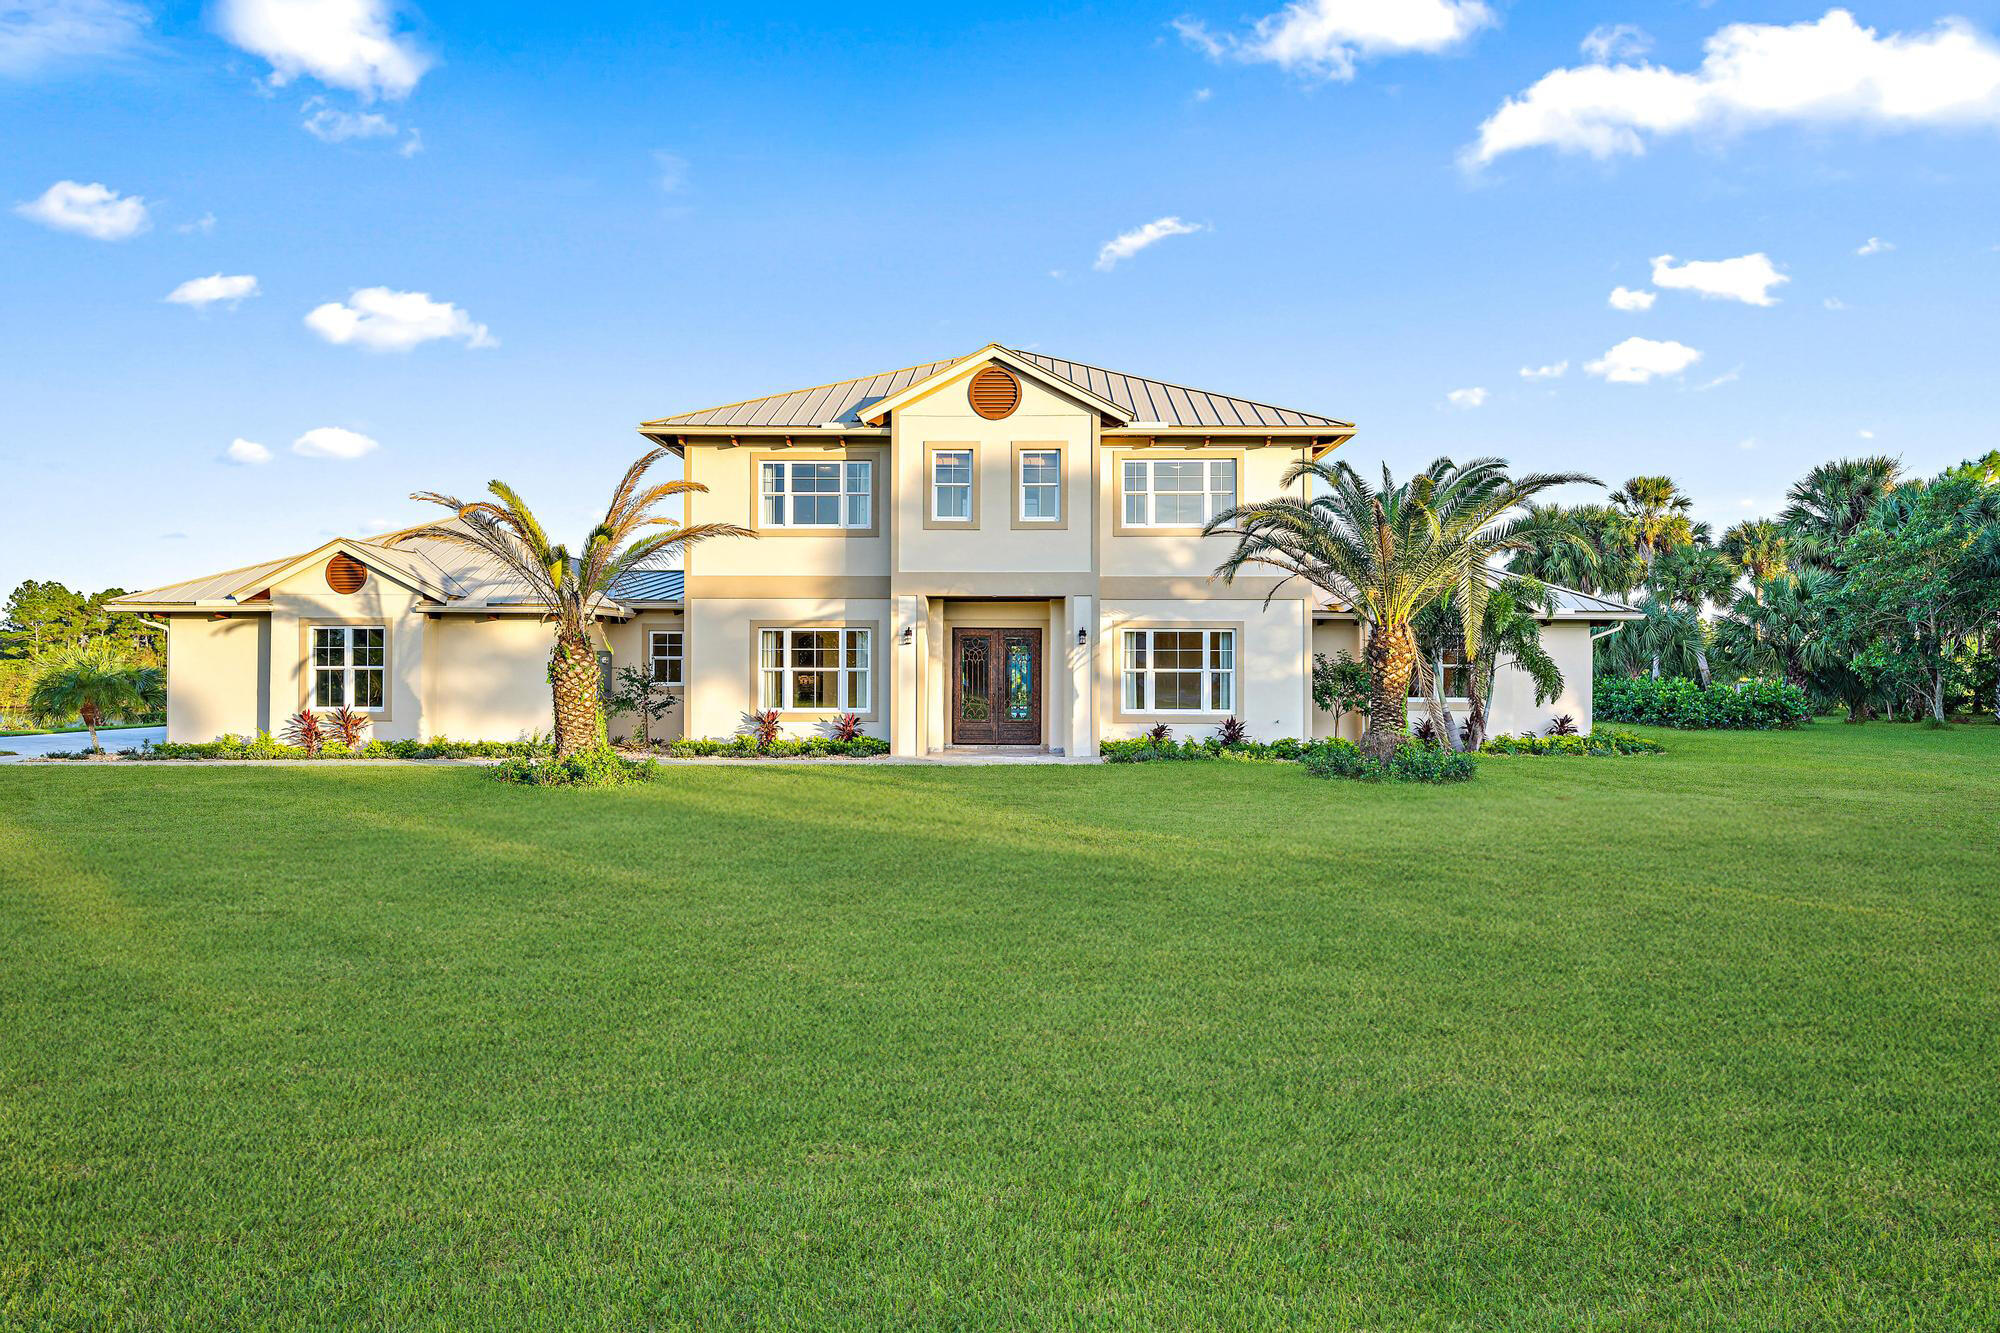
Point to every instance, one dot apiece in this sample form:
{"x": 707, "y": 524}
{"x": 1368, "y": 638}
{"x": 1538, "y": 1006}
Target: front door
{"x": 996, "y": 687}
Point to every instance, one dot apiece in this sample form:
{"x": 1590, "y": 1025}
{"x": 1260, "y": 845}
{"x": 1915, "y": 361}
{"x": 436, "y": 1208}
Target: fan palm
{"x": 574, "y": 587}
{"x": 1600, "y": 559}
{"x": 1689, "y": 578}
{"x": 1656, "y": 515}
{"x": 1391, "y": 552}
{"x": 1757, "y": 548}
{"x": 1666, "y": 642}
{"x": 1825, "y": 507}
{"x": 91, "y": 681}
{"x": 1784, "y": 626}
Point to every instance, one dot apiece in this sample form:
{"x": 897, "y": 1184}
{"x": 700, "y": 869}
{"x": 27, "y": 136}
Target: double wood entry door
{"x": 996, "y": 684}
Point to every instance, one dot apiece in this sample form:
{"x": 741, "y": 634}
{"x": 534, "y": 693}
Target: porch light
{"x": 1082, "y": 635}
{"x": 909, "y": 634}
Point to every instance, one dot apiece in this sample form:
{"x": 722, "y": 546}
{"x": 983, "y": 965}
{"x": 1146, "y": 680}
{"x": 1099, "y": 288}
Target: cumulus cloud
{"x": 202, "y": 293}
{"x": 383, "y": 320}
{"x": 1828, "y": 71}
{"x": 1874, "y": 245}
{"x": 1466, "y": 398}
{"x": 330, "y": 124}
{"x": 1549, "y": 372}
{"x": 1615, "y": 41}
{"x": 350, "y": 44}
{"x": 35, "y": 34}
{"x": 246, "y": 453}
{"x": 1126, "y": 244}
{"x": 1637, "y": 360}
{"x": 333, "y": 442}
{"x": 88, "y": 210}
{"x": 1625, "y": 298}
{"x": 1327, "y": 37}
{"x": 1747, "y": 278}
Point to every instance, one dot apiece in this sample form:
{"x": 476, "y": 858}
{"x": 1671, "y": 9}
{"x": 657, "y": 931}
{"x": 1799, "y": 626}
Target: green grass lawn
{"x": 1704, "y": 1039}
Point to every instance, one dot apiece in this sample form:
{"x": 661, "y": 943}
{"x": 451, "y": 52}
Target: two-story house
{"x": 1000, "y": 549}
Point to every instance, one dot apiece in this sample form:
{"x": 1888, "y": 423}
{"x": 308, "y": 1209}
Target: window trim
{"x": 876, "y": 458}
{"x": 1121, "y": 457}
{"x": 308, "y": 674}
{"x": 1446, "y": 666}
{"x": 652, "y": 657}
{"x": 1119, "y": 713}
{"x": 1060, "y": 523}
{"x": 929, "y": 501}
{"x": 878, "y": 668}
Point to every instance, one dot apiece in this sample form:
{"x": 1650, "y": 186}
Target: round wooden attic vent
{"x": 345, "y": 574}
{"x": 995, "y": 393}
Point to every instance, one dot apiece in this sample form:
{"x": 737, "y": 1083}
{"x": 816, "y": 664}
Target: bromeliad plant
{"x": 573, "y": 587}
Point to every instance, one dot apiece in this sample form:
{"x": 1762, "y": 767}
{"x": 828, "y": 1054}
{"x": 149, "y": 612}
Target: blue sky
{"x": 578, "y": 221}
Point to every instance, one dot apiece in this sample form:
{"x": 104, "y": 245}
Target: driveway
{"x": 113, "y": 739}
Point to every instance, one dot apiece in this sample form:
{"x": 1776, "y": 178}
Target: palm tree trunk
{"x": 1656, "y": 666}
{"x": 573, "y": 679}
{"x": 1475, "y": 708}
{"x": 1701, "y": 665}
{"x": 1390, "y": 658}
{"x": 90, "y": 719}
{"x": 1441, "y": 719}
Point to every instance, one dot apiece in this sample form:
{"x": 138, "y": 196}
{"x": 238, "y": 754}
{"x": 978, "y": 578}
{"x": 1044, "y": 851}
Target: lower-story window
{"x": 1457, "y": 680}
{"x": 1180, "y": 670}
{"x": 815, "y": 670}
{"x": 663, "y": 651}
{"x": 349, "y": 667}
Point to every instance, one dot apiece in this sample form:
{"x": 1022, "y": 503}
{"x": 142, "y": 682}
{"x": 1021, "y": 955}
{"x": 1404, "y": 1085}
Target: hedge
{"x": 1676, "y": 701}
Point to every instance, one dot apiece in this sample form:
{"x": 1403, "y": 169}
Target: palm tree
{"x": 1389, "y": 553}
{"x": 1656, "y": 515}
{"x": 1664, "y": 643}
{"x": 1785, "y": 625}
{"x": 1600, "y": 558}
{"x": 1757, "y": 548}
{"x": 1689, "y": 578}
{"x": 1825, "y": 506}
{"x": 573, "y": 587}
{"x": 1510, "y": 630}
{"x": 91, "y": 681}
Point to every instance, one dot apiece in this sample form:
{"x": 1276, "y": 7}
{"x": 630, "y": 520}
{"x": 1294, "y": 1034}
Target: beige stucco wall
{"x": 303, "y": 601}
{"x": 1126, "y": 555}
{"x": 215, "y": 676}
{"x": 1273, "y": 648}
{"x": 730, "y": 473}
{"x": 720, "y": 664}
{"x": 1514, "y": 709}
{"x": 628, "y": 641}
{"x": 1331, "y": 638}
{"x": 487, "y": 679}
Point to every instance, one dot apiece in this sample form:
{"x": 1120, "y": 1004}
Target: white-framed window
{"x": 816, "y": 494}
{"x": 1177, "y": 492}
{"x": 1457, "y": 681}
{"x": 1041, "y": 485}
{"x": 664, "y": 655}
{"x": 350, "y": 667}
{"x": 816, "y": 670}
{"x": 951, "y": 485}
{"x": 1180, "y": 670}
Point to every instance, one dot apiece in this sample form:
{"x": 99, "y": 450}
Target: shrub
{"x": 1158, "y": 733}
{"x": 1598, "y": 743}
{"x": 1413, "y": 761}
{"x": 1232, "y": 731}
{"x": 810, "y": 747}
{"x": 1676, "y": 701}
{"x": 262, "y": 746}
{"x": 1563, "y": 726}
{"x": 764, "y": 728}
{"x": 599, "y": 766}
{"x": 847, "y": 727}
{"x": 303, "y": 730}
{"x": 348, "y": 727}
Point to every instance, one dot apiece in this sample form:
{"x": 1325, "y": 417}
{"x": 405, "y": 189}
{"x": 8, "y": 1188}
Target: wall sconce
{"x": 909, "y": 634}
{"x": 1082, "y": 636}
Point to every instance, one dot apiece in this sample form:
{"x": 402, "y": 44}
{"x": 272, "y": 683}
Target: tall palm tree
{"x": 1391, "y": 552}
{"x": 1785, "y": 626}
{"x": 1600, "y": 559}
{"x": 92, "y": 681}
{"x": 573, "y": 587}
{"x": 1825, "y": 506}
{"x": 1757, "y": 548}
{"x": 1664, "y": 643}
{"x": 1690, "y": 578}
{"x": 1656, "y": 514}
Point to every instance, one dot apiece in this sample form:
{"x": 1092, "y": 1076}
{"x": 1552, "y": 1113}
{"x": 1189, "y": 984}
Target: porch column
{"x": 904, "y": 642}
{"x": 1080, "y": 617}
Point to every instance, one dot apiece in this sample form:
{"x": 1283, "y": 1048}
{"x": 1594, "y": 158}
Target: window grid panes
{"x": 1041, "y": 485}
{"x": 350, "y": 667}
{"x": 951, "y": 484}
{"x": 815, "y": 670}
{"x": 1180, "y": 671}
{"x": 1457, "y": 680}
{"x": 1177, "y": 492}
{"x": 818, "y": 494}
{"x": 663, "y": 649}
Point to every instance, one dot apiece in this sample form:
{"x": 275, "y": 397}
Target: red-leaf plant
{"x": 847, "y": 727}
{"x": 764, "y": 728}
{"x": 303, "y": 730}
{"x": 347, "y": 727}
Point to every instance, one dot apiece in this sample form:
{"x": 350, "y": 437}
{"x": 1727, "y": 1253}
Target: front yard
{"x": 1706, "y": 1038}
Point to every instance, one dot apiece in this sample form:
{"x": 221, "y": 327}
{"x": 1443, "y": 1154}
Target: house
{"x": 1000, "y": 549}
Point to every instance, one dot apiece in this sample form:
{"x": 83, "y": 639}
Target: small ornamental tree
{"x": 92, "y": 682}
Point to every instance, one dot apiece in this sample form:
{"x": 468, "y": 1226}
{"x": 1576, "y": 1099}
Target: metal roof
{"x": 649, "y": 585}
{"x": 1148, "y": 400}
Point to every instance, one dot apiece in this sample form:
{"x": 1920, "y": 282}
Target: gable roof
{"x": 1141, "y": 401}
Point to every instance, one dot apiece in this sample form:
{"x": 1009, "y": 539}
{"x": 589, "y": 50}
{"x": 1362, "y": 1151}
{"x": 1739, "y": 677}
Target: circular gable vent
{"x": 345, "y": 574}
{"x": 995, "y": 393}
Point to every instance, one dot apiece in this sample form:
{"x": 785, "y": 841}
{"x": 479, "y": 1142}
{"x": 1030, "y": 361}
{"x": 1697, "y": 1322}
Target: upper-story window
{"x": 817, "y": 494}
{"x": 1041, "y": 485}
{"x": 1177, "y": 492}
{"x": 664, "y": 656}
{"x": 951, "y": 485}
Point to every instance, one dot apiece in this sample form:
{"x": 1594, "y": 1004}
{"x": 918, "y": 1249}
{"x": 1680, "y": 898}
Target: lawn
{"x": 1704, "y": 1039}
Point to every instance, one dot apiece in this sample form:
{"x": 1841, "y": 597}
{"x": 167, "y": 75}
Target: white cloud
{"x": 351, "y": 44}
{"x": 204, "y": 292}
{"x": 333, "y": 442}
{"x": 1203, "y": 94}
{"x": 1747, "y": 442}
{"x": 1747, "y": 278}
{"x": 38, "y": 33}
{"x": 1726, "y": 377}
{"x": 1327, "y": 37}
{"x": 1615, "y": 41}
{"x": 1830, "y": 71}
{"x": 1549, "y": 372}
{"x": 330, "y": 124}
{"x": 1129, "y": 243}
{"x": 1624, "y": 298}
{"x": 1637, "y": 360}
{"x": 203, "y": 224}
{"x": 246, "y": 452}
{"x": 383, "y": 320}
{"x": 89, "y": 210}
{"x": 1875, "y": 245}
{"x": 1865, "y": 434}
{"x": 412, "y": 145}
{"x": 1834, "y": 303}
{"x": 1466, "y": 398}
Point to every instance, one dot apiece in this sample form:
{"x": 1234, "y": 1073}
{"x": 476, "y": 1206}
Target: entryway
{"x": 997, "y": 686}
